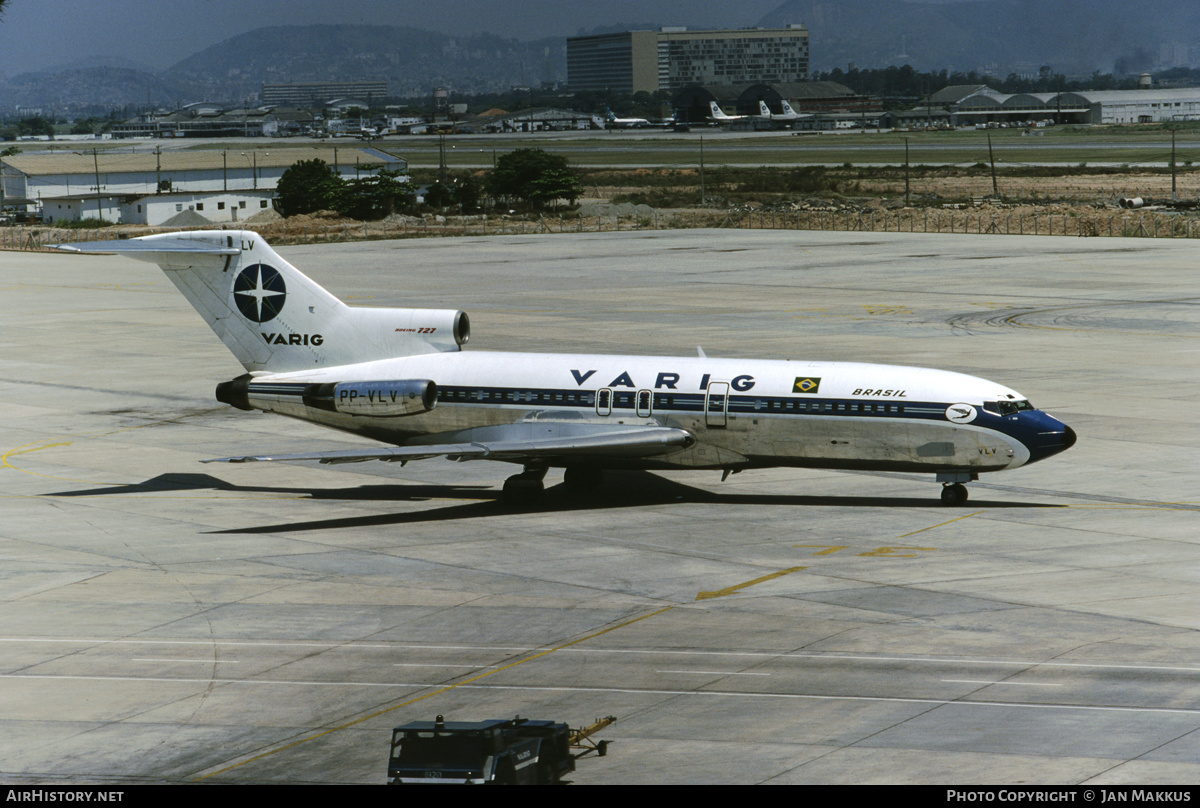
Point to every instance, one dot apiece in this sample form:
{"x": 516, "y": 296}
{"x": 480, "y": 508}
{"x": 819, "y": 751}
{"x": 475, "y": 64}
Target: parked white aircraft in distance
{"x": 718, "y": 115}
{"x": 399, "y": 376}
{"x": 611, "y": 121}
{"x": 788, "y": 113}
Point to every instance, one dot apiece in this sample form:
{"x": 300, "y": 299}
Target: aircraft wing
{"x": 514, "y": 443}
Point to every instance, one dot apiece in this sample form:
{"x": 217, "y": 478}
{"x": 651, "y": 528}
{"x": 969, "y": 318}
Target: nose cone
{"x": 1048, "y": 436}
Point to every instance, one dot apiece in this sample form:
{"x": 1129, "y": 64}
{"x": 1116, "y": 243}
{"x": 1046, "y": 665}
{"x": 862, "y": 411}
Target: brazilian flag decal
{"x": 806, "y": 384}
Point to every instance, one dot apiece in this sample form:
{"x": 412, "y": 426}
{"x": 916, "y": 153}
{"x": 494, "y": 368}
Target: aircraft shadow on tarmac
{"x": 620, "y": 490}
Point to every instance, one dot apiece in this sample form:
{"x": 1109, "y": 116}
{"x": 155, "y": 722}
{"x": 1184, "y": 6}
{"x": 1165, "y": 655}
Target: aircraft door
{"x": 644, "y": 403}
{"x": 604, "y": 401}
{"x": 716, "y": 405}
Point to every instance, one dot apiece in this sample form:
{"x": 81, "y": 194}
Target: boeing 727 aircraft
{"x": 611, "y": 121}
{"x": 719, "y": 116}
{"x": 400, "y": 376}
{"x": 788, "y": 114}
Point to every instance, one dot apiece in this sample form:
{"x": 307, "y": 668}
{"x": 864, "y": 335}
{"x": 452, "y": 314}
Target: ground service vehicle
{"x": 517, "y": 751}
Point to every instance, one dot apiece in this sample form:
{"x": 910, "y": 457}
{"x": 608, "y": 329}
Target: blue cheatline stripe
{"x": 662, "y": 401}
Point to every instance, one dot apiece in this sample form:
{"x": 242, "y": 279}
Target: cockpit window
{"x": 1007, "y": 407}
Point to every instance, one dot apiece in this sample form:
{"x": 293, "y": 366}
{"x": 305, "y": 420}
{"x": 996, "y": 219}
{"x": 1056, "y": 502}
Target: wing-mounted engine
{"x": 376, "y": 399}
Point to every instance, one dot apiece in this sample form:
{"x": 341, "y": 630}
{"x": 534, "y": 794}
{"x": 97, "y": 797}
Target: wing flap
{"x": 638, "y": 441}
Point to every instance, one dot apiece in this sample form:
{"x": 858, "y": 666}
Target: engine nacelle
{"x": 404, "y": 332}
{"x": 381, "y": 399}
{"x": 378, "y": 399}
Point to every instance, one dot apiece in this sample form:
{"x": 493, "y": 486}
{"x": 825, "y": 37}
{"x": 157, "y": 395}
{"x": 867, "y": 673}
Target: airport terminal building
{"x": 673, "y": 58}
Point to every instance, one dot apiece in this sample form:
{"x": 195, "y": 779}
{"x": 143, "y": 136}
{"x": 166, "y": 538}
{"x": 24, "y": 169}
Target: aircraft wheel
{"x": 954, "y": 494}
{"x": 582, "y": 478}
{"x": 520, "y": 489}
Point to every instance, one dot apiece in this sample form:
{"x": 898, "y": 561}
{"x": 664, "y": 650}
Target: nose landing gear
{"x": 954, "y": 494}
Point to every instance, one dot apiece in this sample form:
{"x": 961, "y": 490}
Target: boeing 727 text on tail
{"x": 400, "y": 377}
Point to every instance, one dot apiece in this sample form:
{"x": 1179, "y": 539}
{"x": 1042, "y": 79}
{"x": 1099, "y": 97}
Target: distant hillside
{"x": 1073, "y": 36}
{"x": 413, "y": 61}
{"x": 997, "y": 36}
{"x": 101, "y": 87}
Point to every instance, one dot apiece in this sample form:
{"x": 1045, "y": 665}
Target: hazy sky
{"x": 40, "y": 34}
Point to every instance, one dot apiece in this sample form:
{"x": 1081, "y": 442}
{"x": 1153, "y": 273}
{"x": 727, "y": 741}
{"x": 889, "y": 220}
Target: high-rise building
{"x": 316, "y": 93}
{"x": 673, "y": 58}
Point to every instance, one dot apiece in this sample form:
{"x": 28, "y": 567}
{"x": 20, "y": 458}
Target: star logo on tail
{"x": 259, "y": 292}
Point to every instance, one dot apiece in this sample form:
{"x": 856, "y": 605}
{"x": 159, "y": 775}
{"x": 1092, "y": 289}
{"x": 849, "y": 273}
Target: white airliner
{"x": 399, "y": 376}
{"x": 788, "y": 113}
{"x": 719, "y": 116}
{"x": 613, "y": 122}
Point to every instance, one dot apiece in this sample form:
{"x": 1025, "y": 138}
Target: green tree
{"x": 88, "y": 126}
{"x": 534, "y": 176}
{"x": 374, "y": 197}
{"x": 35, "y": 126}
{"x": 439, "y": 196}
{"x": 467, "y": 193}
{"x": 308, "y": 186}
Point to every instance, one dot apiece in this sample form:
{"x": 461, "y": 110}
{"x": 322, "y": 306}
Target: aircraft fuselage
{"x": 744, "y": 413}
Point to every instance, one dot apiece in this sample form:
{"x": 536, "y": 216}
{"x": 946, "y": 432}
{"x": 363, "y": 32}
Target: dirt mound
{"x": 264, "y": 217}
{"x": 188, "y": 218}
{"x": 322, "y": 218}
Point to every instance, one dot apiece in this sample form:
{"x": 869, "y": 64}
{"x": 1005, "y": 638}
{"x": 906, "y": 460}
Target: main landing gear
{"x": 582, "y": 478}
{"x": 526, "y": 486}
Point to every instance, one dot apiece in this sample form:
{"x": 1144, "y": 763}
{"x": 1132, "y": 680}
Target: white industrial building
{"x": 1139, "y": 106}
{"x": 979, "y": 104}
{"x": 158, "y": 209}
{"x": 153, "y": 187}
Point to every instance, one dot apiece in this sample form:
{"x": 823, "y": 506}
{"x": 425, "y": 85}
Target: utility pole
{"x": 992, "y": 157}
{"x": 906, "y": 188}
{"x": 96, "y": 163}
{"x": 702, "y": 201}
{"x": 1173, "y": 164}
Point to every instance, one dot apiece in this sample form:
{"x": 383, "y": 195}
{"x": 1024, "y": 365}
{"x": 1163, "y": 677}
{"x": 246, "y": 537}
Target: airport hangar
{"x": 165, "y": 621}
{"x": 980, "y": 104}
{"x": 220, "y": 186}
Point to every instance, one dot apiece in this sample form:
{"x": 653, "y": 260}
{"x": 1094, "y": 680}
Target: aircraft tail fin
{"x": 273, "y": 317}
{"x": 763, "y": 109}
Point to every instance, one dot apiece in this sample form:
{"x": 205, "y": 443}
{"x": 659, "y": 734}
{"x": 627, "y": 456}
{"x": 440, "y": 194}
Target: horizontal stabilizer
{"x": 136, "y": 246}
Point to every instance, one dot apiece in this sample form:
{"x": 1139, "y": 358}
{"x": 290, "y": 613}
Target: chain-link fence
{"x": 982, "y": 220}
